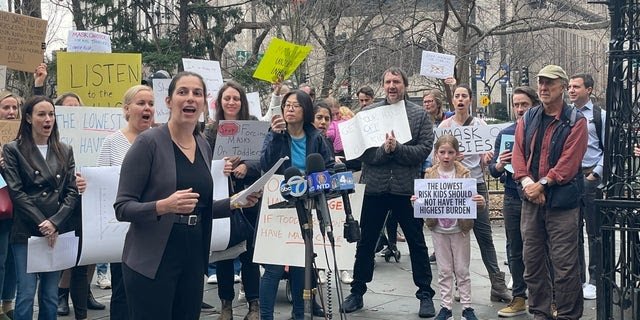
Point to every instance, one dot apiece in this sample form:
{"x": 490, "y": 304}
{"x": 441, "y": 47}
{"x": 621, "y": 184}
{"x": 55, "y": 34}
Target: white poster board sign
{"x": 279, "y": 240}
{"x": 445, "y": 198}
{"x": 102, "y": 234}
{"x": 211, "y": 73}
{"x": 84, "y": 128}
{"x": 254, "y": 104}
{"x": 437, "y": 65}
{"x": 160, "y": 93}
{"x": 88, "y": 41}
{"x": 242, "y": 138}
{"x": 369, "y": 128}
{"x": 473, "y": 139}
{"x": 43, "y": 258}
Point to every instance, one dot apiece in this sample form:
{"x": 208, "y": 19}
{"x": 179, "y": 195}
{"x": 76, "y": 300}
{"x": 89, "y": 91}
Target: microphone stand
{"x": 306, "y": 229}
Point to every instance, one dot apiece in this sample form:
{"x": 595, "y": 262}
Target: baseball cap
{"x": 553, "y": 72}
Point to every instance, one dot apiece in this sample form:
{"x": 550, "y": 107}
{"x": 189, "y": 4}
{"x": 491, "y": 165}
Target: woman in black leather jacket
{"x": 40, "y": 174}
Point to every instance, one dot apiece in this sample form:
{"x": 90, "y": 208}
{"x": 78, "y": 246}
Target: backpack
{"x": 597, "y": 121}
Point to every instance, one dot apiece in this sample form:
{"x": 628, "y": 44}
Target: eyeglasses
{"x": 292, "y": 106}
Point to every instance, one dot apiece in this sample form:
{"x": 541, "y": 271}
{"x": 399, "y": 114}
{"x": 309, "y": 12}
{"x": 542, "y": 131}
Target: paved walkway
{"x": 391, "y": 294}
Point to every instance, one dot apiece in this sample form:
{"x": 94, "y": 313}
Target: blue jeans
{"x": 101, "y": 268}
{"x": 269, "y": 289}
{"x": 27, "y": 283}
{"x": 7, "y": 265}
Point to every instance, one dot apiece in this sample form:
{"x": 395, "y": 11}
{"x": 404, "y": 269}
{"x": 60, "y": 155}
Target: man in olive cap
{"x": 550, "y": 142}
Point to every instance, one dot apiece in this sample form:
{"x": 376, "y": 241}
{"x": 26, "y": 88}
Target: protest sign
{"x": 160, "y": 92}
{"x": 100, "y": 79}
{"x": 437, "y": 65}
{"x": 254, "y": 104}
{"x": 473, "y": 139}
{"x": 506, "y": 143}
{"x": 280, "y": 60}
{"x": 3, "y": 77}
{"x": 102, "y": 234}
{"x": 85, "y": 128}
{"x": 445, "y": 198}
{"x": 212, "y": 75}
{"x": 8, "y": 130}
{"x": 240, "y": 138}
{"x": 88, "y": 41}
{"x": 369, "y": 128}
{"x": 22, "y": 41}
{"x": 278, "y": 237}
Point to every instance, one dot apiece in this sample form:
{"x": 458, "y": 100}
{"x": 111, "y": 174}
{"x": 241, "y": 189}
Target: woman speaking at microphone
{"x": 165, "y": 192}
{"x": 292, "y": 134}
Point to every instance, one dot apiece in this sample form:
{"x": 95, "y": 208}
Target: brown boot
{"x": 227, "y": 311}
{"x": 499, "y": 291}
{"x": 254, "y": 310}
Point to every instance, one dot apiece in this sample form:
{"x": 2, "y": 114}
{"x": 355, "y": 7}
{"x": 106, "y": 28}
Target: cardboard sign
{"x": 88, "y": 41}
{"x": 100, "y": 79}
{"x": 3, "y": 77}
{"x": 445, "y": 198}
{"x": 278, "y": 237}
{"x": 473, "y": 139}
{"x": 8, "y": 130}
{"x": 369, "y": 128}
{"x": 280, "y": 60}
{"x": 22, "y": 41}
{"x": 437, "y": 65}
{"x": 240, "y": 138}
{"x": 85, "y": 129}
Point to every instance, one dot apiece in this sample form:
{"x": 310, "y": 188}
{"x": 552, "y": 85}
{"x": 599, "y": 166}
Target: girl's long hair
{"x": 25, "y": 140}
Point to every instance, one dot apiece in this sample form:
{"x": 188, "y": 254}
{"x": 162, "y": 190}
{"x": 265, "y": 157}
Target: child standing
{"x": 451, "y": 236}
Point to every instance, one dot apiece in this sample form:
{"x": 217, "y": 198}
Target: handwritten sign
{"x": 160, "y": 93}
{"x": 445, "y": 198}
{"x": 85, "y": 129}
{"x": 368, "y": 128}
{"x": 22, "y": 41}
{"x": 473, "y": 139}
{"x": 279, "y": 228}
{"x": 88, "y": 41}
{"x": 280, "y": 60}
{"x": 102, "y": 234}
{"x": 100, "y": 79}
{"x": 8, "y": 130}
{"x": 240, "y": 138}
{"x": 254, "y": 104}
{"x": 437, "y": 65}
{"x": 212, "y": 75}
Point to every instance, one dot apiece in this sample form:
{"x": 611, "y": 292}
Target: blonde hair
{"x": 447, "y": 139}
{"x": 4, "y": 94}
{"x": 131, "y": 93}
{"x": 346, "y": 113}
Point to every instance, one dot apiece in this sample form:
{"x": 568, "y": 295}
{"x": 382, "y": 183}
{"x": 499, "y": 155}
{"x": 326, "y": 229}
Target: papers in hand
{"x": 43, "y": 258}
{"x": 240, "y": 199}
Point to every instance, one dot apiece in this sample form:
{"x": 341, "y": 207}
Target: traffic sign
{"x": 485, "y": 101}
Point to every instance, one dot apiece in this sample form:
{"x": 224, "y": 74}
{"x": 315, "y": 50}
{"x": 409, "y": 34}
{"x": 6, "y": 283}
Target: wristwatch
{"x": 544, "y": 182}
{"x": 595, "y": 174}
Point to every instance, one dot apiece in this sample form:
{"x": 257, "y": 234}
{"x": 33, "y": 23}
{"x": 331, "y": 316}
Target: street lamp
{"x": 349, "y": 69}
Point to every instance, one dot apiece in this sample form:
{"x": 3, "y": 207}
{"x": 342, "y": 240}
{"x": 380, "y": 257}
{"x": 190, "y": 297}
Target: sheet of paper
{"x": 220, "y": 233}
{"x": 43, "y": 258}
{"x": 220, "y": 181}
{"x": 437, "y": 65}
{"x": 241, "y": 198}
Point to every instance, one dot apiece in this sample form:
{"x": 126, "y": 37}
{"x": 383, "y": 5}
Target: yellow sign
{"x": 485, "y": 101}
{"x": 100, "y": 79}
{"x": 280, "y": 60}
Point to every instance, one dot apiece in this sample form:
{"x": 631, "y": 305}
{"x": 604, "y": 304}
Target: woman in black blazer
{"x": 165, "y": 192}
{"x": 40, "y": 175}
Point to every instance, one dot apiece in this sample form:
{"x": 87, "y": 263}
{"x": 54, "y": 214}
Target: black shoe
{"x": 63, "y": 302}
{"x": 352, "y": 303}
{"x": 318, "y": 311}
{"x": 427, "y": 310}
{"x": 432, "y": 258}
{"x": 92, "y": 304}
{"x": 206, "y": 306}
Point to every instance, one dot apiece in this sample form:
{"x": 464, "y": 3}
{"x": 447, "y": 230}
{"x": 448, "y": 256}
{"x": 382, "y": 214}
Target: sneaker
{"x": 516, "y": 307}
{"x": 468, "y": 314}
{"x": 237, "y": 278}
{"x": 241, "y": 296}
{"x": 510, "y": 284}
{"x": 444, "y": 314}
{"x": 213, "y": 279}
{"x": 103, "y": 281}
{"x": 345, "y": 277}
{"x": 589, "y": 291}
{"x": 322, "y": 277}
{"x": 427, "y": 310}
{"x": 352, "y": 303}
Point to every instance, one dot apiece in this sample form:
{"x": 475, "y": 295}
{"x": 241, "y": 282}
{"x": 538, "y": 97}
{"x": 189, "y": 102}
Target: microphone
{"x": 318, "y": 180}
{"x": 293, "y": 189}
{"x": 342, "y": 182}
